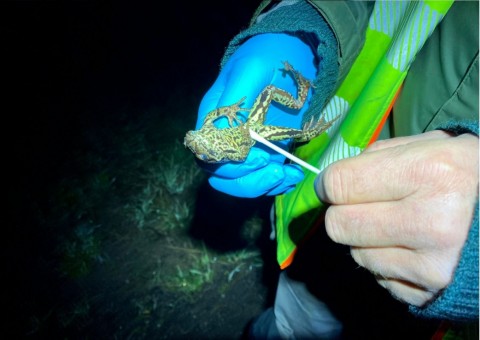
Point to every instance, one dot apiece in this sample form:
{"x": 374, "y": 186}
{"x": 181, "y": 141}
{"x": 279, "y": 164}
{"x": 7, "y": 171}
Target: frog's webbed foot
{"x": 311, "y": 123}
{"x": 229, "y": 112}
{"x": 312, "y": 129}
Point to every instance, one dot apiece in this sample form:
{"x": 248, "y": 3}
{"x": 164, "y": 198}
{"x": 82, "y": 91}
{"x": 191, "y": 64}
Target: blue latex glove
{"x": 256, "y": 64}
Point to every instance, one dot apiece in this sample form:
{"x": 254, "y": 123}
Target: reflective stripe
{"x": 338, "y": 149}
{"x": 385, "y": 18}
{"x": 419, "y": 23}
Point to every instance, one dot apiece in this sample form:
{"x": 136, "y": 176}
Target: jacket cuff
{"x": 460, "y": 127}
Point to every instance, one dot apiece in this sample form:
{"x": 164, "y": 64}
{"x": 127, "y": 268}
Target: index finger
{"x": 382, "y": 175}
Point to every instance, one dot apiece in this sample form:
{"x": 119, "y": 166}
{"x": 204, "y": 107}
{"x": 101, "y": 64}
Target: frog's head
{"x": 205, "y": 146}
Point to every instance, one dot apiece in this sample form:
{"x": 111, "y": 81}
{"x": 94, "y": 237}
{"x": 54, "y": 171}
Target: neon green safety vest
{"x": 396, "y": 32}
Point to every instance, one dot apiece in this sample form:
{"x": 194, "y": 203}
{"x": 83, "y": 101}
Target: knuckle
{"x": 440, "y": 272}
{"x": 445, "y": 235}
{"x": 446, "y": 221}
{"x": 441, "y": 167}
{"x": 441, "y": 163}
{"x": 377, "y": 145}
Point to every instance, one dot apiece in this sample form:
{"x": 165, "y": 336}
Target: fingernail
{"x": 319, "y": 189}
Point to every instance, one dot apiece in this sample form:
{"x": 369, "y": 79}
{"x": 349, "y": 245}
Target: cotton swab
{"x": 262, "y": 140}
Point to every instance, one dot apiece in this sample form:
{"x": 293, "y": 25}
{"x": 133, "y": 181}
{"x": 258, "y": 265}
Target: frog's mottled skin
{"x": 213, "y": 145}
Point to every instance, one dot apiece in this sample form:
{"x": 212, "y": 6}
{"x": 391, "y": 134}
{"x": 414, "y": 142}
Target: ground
{"x": 139, "y": 247}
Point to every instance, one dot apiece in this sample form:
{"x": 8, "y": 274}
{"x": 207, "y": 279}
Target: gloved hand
{"x": 256, "y": 64}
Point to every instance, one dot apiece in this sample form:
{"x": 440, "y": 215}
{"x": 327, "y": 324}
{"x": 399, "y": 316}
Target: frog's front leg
{"x": 230, "y": 112}
{"x": 313, "y": 129}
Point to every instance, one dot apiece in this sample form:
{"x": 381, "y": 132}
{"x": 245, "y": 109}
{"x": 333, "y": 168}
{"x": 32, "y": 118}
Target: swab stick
{"x": 297, "y": 160}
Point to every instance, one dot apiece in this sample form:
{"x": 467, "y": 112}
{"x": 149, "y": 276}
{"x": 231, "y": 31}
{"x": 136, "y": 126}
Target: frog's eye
{"x": 203, "y": 157}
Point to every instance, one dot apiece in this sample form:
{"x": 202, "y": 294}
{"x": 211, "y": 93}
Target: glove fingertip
{"x": 254, "y": 184}
{"x": 293, "y": 173}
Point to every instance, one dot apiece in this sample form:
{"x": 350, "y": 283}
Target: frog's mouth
{"x": 201, "y": 148}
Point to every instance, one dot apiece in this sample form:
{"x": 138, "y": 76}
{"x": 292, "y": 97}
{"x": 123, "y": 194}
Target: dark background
{"x": 68, "y": 65}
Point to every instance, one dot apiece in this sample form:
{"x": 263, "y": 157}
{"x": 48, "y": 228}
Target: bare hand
{"x": 405, "y": 207}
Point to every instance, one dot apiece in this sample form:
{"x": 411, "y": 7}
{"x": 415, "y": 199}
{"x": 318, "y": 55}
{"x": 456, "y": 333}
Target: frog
{"x": 233, "y": 143}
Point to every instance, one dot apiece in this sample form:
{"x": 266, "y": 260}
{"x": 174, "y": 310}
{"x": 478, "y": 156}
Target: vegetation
{"x": 126, "y": 263}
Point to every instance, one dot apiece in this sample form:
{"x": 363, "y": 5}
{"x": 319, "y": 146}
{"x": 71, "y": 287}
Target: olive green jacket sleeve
{"x": 334, "y": 30}
{"x": 442, "y": 83}
{"x": 348, "y": 21}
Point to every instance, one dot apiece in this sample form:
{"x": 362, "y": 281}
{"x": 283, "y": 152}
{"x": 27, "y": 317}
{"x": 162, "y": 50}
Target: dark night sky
{"x": 81, "y": 53}
{"x": 70, "y": 66}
